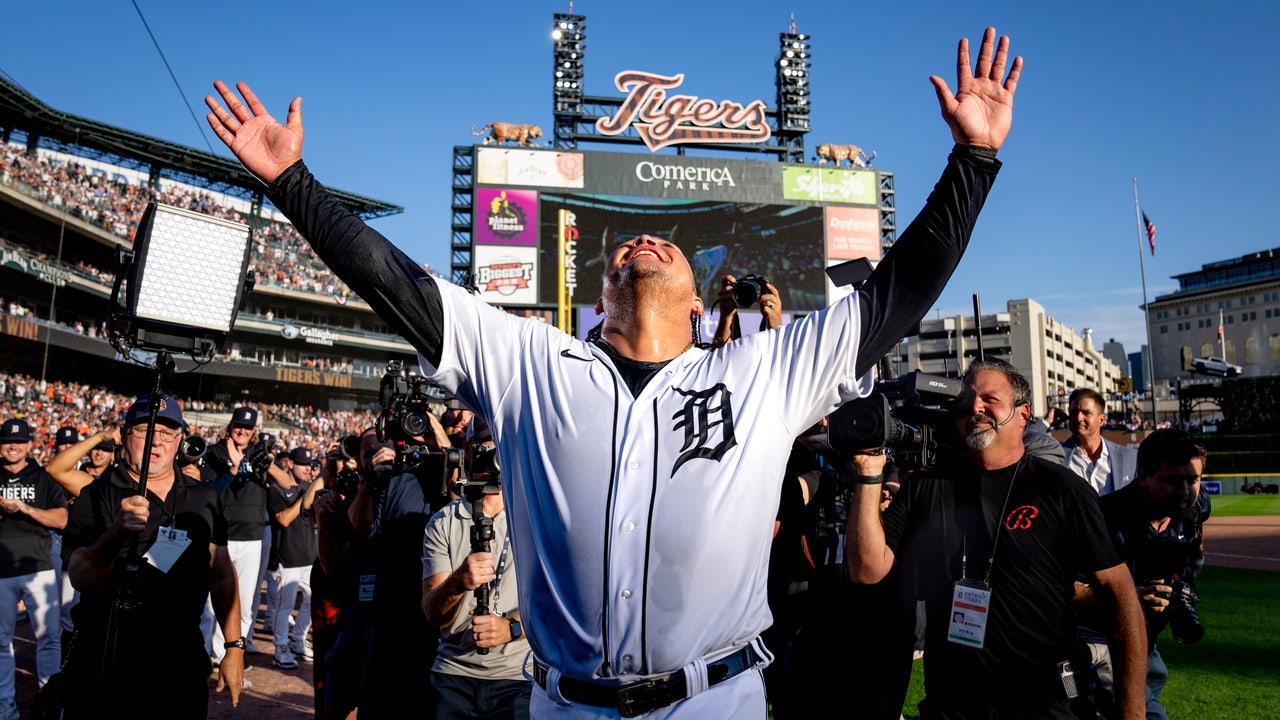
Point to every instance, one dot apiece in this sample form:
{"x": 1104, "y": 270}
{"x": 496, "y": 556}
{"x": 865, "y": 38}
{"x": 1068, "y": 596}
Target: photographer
{"x": 992, "y": 542}
{"x": 397, "y": 497}
{"x": 1156, "y": 525}
{"x": 469, "y": 591}
{"x": 246, "y": 455}
{"x": 293, "y": 551}
{"x": 752, "y": 291}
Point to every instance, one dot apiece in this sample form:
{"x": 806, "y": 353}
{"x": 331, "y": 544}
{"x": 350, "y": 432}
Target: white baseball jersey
{"x": 643, "y": 523}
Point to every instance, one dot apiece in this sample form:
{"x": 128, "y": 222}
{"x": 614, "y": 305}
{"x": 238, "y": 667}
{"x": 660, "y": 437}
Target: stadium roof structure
{"x": 64, "y": 132}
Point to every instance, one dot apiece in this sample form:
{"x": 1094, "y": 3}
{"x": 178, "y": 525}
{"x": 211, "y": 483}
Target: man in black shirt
{"x": 992, "y": 544}
{"x": 1156, "y": 525}
{"x": 144, "y": 567}
{"x": 293, "y": 550}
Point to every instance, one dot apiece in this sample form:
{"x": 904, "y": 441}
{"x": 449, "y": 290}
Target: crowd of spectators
{"x": 280, "y": 256}
{"x": 49, "y": 405}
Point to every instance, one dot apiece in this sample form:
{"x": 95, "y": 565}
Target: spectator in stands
{"x": 31, "y": 505}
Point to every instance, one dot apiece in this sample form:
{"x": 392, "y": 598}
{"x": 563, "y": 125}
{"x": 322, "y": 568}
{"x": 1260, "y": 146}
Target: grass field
{"x": 1232, "y": 505}
{"x": 1232, "y": 673}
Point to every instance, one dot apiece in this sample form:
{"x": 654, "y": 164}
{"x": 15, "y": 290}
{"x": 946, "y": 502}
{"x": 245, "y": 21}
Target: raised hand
{"x": 981, "y": 110}
{"x": 263, "y": 145}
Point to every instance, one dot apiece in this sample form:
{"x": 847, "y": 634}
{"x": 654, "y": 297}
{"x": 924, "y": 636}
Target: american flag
{"x": 1219, "y": 327}
{"x": 1151, "y": 233}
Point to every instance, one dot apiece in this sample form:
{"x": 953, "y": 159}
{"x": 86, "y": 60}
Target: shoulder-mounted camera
{"x": 913, "y": 415}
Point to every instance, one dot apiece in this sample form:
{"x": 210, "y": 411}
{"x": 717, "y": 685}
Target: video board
{"x": 784, "y": 222}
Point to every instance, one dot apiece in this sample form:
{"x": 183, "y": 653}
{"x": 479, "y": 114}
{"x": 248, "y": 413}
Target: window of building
{"x": 1164, "y": 329}
{"x": 1273, "y": 344}
{"x": 1250, "y": 350}
{"x": 1206, "y": 350}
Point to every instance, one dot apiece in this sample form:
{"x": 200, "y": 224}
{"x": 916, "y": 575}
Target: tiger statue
{"x": 500, "y": 132}
{"x": 839, "y": 153}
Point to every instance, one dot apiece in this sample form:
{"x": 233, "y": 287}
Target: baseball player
{"x": 641, "y": 471}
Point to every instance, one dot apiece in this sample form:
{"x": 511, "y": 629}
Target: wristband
{"x": 869, "y": 479}
{"x": 239, "y": 642}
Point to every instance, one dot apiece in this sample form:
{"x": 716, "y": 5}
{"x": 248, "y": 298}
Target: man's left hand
{"x": 491, "y": 630}
{"x": 231, "y": 674}
{"x": 981, "y": 110}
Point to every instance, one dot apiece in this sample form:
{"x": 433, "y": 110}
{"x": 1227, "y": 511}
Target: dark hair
{"x": 1021, "y": 388}
{"x": 1089, "y": 393}
{"x": 1168, "y": 445}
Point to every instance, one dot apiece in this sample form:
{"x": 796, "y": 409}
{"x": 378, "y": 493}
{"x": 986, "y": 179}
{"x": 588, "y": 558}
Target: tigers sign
{"x": 663, "y": 120}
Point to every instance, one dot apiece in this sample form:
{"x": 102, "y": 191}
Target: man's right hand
{"x": 134, "y": 511}
{"x": 1154, "y": 596}
{"x": 476, "y": 570}
{"x": 263, "y": 145}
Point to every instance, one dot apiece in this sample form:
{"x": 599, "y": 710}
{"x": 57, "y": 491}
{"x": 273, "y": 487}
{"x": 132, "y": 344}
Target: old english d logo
{"x": 1020, "y": 518}
{"x": 704, "y": 411}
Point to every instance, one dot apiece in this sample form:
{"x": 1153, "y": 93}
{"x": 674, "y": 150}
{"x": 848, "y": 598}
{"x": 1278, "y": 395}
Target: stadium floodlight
{"x": 183, "y": 282}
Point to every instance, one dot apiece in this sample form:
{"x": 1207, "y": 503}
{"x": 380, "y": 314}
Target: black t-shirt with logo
{"x": 1049, "y": 529}
{"x": 295, "y": 545}
{"x": 26, "y": 544}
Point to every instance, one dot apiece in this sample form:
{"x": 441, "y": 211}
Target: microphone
{"x": 1013, "y": 411}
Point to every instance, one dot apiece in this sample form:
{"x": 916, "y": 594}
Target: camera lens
{"x": 414, "y": 423}
{"x": 746, "y": 292}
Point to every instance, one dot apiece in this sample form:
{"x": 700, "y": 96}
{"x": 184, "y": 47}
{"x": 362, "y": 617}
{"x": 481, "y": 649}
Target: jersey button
{"x": 629, "y": 526}
{"x": 626, "y": 594}
{"x": 633, "y": 464}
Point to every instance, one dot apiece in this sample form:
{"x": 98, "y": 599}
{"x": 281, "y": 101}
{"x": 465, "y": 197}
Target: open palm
{"x": 980, "y": 111}
{"x": 261, "y": 143}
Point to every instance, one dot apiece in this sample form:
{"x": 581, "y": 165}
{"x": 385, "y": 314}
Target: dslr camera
{"x": 406, "y": 399}
{"x": 191, "y": 450}
{"x": 1166, "y": 560}
{"x": 913, "y": 415}
{"x": 747, "y": 291}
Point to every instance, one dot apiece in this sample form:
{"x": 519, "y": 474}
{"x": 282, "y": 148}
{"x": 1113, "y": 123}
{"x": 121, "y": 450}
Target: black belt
{"x": 645, "y": 696}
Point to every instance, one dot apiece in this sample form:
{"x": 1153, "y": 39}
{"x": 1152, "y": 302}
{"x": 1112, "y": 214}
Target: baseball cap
{"x": 15, "y": 431}
{"x": 169, "y": 412}
{"x": 106, "y": 446}
{"x": 246, "y": 416}
{"x": 66, "y": 436}
{"x": 301, "y": 456}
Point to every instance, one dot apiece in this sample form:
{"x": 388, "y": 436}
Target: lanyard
{"x": 497, "y": 574}
{"x": 995, "y": 541}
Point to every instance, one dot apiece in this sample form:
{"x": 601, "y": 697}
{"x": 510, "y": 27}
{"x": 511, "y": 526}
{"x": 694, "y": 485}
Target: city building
{"x": 1241, "y": 295}
{"x": 1054, "y": 359}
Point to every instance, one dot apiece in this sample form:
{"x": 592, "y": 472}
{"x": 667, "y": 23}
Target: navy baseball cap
{"x": 245, "y": 416}
{"x": 169, "y": 413}
{"x": 301, "y": 456}
{"x": 106, "y": 446}
{"x": 15, "y": 431}
{"x": 66, "y": 436}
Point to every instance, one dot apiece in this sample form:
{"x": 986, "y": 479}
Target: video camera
{"x": 405, "y": 398}
{"x": 913, "y": 415}
{"x": 345, "y": 480}
{"x": 1168, "y": 560}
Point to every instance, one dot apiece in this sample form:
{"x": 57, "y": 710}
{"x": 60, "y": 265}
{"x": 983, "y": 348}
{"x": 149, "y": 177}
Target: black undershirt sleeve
{"x": 399, "y": 290}
{"x": 909, "y": 279}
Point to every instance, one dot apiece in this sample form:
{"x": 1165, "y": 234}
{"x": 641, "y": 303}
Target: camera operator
{"x": 752, "y": 291}
{"x": 392, "y": 505}
{"x": 341, "y": 584}
{"x": 1156, "y": 525}
{"x": 469, "y": 591}
{"x": 992, "y": 542}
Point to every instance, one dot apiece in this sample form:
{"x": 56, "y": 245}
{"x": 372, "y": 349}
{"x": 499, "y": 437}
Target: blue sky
{"x": 1180, "y": 95}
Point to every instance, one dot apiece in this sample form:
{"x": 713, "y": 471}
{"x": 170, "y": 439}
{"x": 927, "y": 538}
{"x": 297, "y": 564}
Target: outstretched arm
{"x": 914, "y": 272}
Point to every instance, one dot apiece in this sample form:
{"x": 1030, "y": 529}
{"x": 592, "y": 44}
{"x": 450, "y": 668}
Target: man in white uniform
{"x": 641, "y": 472}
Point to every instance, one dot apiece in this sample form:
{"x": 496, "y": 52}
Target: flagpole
{"x": 1146, "y": 312}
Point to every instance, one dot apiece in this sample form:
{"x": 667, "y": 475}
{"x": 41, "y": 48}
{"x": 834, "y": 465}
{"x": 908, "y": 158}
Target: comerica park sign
{"x": 663, "y": 120}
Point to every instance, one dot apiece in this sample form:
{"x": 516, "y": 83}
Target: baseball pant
{"x": 40, "y": 593}
{"x": 290, "y": 582}
{"x": 245, "y": 555}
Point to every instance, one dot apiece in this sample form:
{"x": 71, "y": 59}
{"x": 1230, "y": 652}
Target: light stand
{"x": 183, "y": 281}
